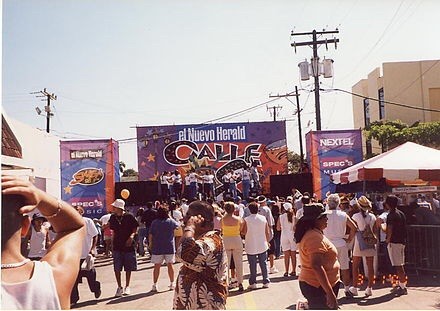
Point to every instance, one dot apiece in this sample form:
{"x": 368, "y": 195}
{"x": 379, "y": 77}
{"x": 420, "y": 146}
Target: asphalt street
{"x": 283, "y": 293}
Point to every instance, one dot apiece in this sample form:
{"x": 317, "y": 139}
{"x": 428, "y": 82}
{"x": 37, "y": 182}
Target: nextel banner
{"x": 329, "y": 152}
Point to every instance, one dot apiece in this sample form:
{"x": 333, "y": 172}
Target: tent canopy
{"x": 408, "y": 161}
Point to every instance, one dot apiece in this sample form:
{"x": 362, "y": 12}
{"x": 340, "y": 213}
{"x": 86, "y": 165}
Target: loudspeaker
{"x": 141, "y": 192}
{"x": 281, "y": 185}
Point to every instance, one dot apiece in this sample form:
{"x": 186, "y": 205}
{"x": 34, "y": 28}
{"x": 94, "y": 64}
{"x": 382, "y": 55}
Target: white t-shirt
{"x": 286, "y": 226}
{"x": 187, "y": 180}
{"x": 192, "y": 177}
{"x": 336, "y": 226}
{"x": 208, "y": 179}
{"x": 383, "y": 217}
{"x": 255, "y": 239}
{"x": 37, "y": 243}
{"x": 105, "y": 218}
{"x": 91, "y": 231}
{"x": 177, "y": 216}
{"x": 245, "y": 175}
{"x": 184, "y": 207}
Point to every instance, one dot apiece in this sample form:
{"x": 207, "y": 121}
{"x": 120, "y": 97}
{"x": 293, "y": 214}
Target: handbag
{"x": 367, "y": 239}
{"x": 89, "y": 263}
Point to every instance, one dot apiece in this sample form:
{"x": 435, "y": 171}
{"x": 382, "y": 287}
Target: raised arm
{"x": 65, "y": 252}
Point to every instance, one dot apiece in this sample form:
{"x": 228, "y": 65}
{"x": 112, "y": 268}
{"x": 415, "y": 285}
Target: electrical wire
{"x": 384, "y": 101}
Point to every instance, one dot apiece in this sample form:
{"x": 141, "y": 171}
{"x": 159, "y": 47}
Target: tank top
{"x": 229, "y": 231}
{"x": 255, "y": 241}
{"x": 37, "y": 293}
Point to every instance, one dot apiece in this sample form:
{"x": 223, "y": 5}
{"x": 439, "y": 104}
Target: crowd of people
{"x": 322, "y": 244}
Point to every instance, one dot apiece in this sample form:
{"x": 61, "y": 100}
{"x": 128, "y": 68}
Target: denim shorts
{"x": 126, "y": 260}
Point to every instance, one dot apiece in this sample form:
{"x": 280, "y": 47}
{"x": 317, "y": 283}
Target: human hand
{"x": 15, "y": 185}
{"x": 195, "y": 221}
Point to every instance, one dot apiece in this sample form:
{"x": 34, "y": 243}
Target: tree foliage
{"x": 393, "y": 133}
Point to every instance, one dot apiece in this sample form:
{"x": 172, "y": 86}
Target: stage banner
{"x": 89, "y": 170}
{"x": 218, "y": 147}
{"x": 329, "y": 152}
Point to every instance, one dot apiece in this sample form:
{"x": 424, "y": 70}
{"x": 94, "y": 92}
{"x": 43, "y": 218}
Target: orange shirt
{"x": 314, "y": 242}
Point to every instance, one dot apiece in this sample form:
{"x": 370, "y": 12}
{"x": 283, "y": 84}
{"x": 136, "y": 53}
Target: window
{"x": 381, "y": 104}
{"x": 366, "y": 112}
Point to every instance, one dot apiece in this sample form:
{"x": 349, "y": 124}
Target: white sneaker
{"x": 273, "y": 270}
{"x": 252, "y": 286}
{"x": 127, "y": 291}
{"x": 172, "y": 286}
{"x": 368, "y": 292}
{"x": 154, "y": 288}
{"x": 353, "y": 290}
{"x": 119, "y": 292}
{"x": 266, "y": 285}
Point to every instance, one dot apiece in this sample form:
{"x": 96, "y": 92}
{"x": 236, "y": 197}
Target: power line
{"x": 206, "y": 123}
{"x": 384, "y": 101}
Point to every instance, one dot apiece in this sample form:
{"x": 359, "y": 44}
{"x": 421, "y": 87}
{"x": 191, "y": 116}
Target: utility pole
{"x": 298, "y": 112}
{"x": 49, "y": 113}
{"x": 315, "y": 62}
{"x": 275, "y": 108}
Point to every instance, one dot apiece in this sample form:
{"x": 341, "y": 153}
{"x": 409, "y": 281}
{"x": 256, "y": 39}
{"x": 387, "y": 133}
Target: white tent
{"x": 406, "y": 162}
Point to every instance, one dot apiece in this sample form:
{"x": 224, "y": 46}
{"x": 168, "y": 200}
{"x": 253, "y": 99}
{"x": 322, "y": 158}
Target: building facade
{"x": 415, "y": 84}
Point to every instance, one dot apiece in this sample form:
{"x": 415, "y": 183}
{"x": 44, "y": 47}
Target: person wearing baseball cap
{"x": 319, "y": 276}
{"x": 124, "y": 227}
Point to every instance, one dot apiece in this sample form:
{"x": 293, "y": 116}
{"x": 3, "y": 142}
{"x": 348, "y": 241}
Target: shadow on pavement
{"x": 134, "y": 297}
{"x": 366, "y": 301}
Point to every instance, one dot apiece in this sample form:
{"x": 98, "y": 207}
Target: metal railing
{"x": 422, "y": 251}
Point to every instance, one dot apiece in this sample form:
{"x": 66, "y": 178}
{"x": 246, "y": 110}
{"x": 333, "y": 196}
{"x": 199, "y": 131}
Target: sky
{"x": 115, "y": 65}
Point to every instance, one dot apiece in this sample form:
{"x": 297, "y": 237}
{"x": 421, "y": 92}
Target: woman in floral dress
{"x": 201, "y": 283}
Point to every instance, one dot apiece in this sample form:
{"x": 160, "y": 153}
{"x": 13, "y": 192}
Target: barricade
{"x": 422, "y": 251}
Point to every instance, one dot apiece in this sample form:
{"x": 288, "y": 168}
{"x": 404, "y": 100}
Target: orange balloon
{"x": 125, "y": 193}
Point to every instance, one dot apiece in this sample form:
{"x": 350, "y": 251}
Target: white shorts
{"x": 343, "y": 259}
{"x": 159, "y": 259}
{"x": 288, "y": 244}
{"x": 396, "y": 251}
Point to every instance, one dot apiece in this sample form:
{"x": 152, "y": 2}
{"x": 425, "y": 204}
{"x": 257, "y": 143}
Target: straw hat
{"x": 364, "y": 203}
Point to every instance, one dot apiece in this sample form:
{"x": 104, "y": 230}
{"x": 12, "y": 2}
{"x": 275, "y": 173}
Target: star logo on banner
{"x": 143, "y": 163}
{"x": 67, "y": 189}
{"x": 151, "y": 158}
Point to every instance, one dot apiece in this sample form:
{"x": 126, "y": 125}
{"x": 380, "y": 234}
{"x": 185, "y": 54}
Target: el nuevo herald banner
{"x": 89, "y": 170}
{"x": 215, "y": 146}
{"x": 329, "y": 152}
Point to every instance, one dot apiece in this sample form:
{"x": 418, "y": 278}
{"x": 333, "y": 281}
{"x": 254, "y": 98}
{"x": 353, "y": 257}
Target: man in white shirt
{"x": 256, "y": 232}
{"x": 88, "y": 249}
{"x": 337, "y": 222}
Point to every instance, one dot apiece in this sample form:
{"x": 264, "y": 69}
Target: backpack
{"x": 367, "y": 238}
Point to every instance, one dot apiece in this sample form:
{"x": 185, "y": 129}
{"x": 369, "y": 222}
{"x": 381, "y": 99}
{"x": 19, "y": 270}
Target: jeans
{"x": 94, "y": 285}
{"x": 246, "y": 188}
{"x": 316, "y": 296}
{"x": 262, "y": 261}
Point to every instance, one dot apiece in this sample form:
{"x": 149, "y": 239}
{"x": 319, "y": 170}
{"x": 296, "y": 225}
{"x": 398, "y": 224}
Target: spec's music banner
{"x": 329, "y": 152}
{"x": 89, "y": 170}
{"x": 218, "y": 147}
